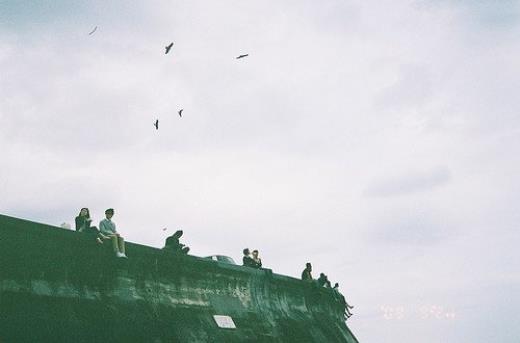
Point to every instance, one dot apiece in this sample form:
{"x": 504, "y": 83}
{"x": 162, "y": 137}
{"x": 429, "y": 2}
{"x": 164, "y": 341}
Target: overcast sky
{"x": 378, "y": 140}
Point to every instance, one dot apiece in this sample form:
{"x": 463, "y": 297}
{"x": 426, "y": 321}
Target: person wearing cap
{"x": 108, "y": 228}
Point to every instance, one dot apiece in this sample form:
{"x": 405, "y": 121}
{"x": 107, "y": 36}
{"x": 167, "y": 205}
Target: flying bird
{"x": 164, "y": 229}
{"x": 168, "y": 47}
{"x": 242, "y": 56}
{"x": 156, "y": 124}
{"x": 91, "y": 32}
{"x": 180, "y": 112}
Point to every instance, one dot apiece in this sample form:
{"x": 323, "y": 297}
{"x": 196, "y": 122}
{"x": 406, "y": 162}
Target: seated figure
{"x": 247, "y": 260}
{"x": 342, "y": 301}
{"x": 306, "y": 274}
{"x": 172, "y": 244}
{"x": 83, "y": 224}
{"x": 323, "y": 281}
{"x": 257, "y": 261}
{"x": 83, "y": 220}
{"x": 108, "y": 229}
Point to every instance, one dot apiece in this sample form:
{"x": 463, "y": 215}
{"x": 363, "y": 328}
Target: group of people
{"x": 323, "y": 281}
{"x": 107, "y": 230}
{"x": 251, "y": 259}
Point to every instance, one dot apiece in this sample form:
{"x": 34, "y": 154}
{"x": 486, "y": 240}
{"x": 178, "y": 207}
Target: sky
{"x": 378, "y": 140}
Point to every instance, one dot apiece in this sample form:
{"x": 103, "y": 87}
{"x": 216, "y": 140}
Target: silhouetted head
{"x": 322, "y": 275}
{"x": 84, "y": 212}
{"x": 178, "y": 234}
{"x": 109, "y": 213}
{"x": 336, "y": 285}
{"x": 308, "y": 266}
{"x": 255, "y": 253}
{"x": 246, "y": 251}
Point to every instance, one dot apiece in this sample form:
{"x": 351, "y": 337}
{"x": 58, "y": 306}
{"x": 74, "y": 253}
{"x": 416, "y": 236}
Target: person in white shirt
{"x": 108, "y": 228}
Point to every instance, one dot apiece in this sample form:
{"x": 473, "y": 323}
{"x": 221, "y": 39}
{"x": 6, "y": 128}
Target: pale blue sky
{"x": 377, "y": 139}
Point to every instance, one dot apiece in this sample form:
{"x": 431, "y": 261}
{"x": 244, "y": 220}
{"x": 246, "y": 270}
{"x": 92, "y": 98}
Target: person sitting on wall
{"x": 247, "y": 260}
{"x": 108, "y": 229}
{"x": 306, "y": 274}
{"x": 342, "y": 301}
{"x": 323, "y": 281}
{"x": 257, "y": 261}
{"x": 83, "y": 222}
{"x": 172, "y": 243}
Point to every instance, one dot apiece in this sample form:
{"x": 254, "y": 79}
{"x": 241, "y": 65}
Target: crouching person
{"x": 108, "y": 229}
{"x": 172, "y": 244}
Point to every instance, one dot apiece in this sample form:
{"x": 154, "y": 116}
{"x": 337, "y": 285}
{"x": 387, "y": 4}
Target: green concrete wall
{"x": 58, "y": 286}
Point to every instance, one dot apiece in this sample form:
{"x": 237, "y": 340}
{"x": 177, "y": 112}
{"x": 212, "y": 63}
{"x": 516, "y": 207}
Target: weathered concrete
{"x": 58, "y": 286}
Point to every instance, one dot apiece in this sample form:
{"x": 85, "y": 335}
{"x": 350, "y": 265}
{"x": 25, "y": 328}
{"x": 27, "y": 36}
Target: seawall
{"x": 57, "y": 285}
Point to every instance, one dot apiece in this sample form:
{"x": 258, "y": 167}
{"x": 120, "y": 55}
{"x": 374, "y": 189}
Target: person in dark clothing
{"x": 343, "y": 302}
{"x": 247, "y": 260}
{"x": 257, "y": 261}
{"x": 172, "y": 243}
{"x": 306, "y": 274}
{"x": 323, "y": 281}
{"x": 83, "y": 222}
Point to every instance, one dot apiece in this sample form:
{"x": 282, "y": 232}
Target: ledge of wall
{"x": 55, "y": 284}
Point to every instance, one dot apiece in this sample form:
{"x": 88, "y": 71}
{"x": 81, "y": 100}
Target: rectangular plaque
{"x": 225, "y": 322}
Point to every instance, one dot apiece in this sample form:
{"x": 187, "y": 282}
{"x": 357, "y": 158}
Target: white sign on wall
{"x": 225, "y": 322}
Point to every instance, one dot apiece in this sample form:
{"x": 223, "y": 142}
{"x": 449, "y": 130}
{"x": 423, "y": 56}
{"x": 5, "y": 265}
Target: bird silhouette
{"x": 164, "y": 229}
{"x": 180, "y": 112}
{"x": 91, "y": 32}
{"x": 168, "y": 47}
{"x": 156, "y": 124}
{"x": 242, "y": 56}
